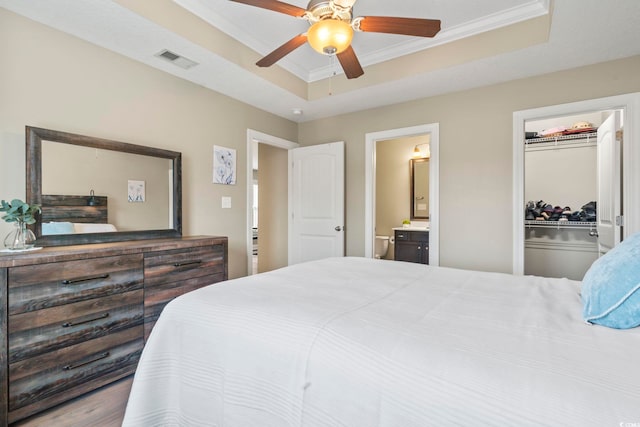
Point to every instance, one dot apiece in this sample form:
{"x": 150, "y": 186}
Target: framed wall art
{"x": 224, "y": 165}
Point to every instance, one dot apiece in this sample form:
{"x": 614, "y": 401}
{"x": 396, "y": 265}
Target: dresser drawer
{"x": 36, "y": 287}
{"x": 169, "y": 274}
{"x": 71, "y": 371}
{"x": 181, "y": 264}
{"x": 157, "y": 297}
{"x": 412, "y": 236}
{"x": 36, "y": 332}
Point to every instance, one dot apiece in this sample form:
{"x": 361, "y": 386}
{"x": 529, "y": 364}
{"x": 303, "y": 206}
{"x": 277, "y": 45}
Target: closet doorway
{"x": 572, "y": 201}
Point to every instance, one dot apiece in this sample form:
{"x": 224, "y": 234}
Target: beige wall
{"x": 272, "y": 208}
{"x": 475, "y": 154}
{"x": 52, "y": 80}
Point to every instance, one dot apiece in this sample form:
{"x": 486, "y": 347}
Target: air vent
{"x": 176, "y": 59}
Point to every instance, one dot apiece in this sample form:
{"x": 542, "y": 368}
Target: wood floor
{"x": 101, "y": 408}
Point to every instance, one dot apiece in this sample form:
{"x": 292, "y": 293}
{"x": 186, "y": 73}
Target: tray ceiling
{"x": 480, "y": 43}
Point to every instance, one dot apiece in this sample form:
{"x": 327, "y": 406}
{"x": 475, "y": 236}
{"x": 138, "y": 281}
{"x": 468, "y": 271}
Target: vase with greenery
{"x": 21, "y": 214}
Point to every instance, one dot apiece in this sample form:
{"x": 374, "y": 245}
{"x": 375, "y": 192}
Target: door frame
{"x": 630, "y": 104}
{"x": 253, "y": 137}
{"x": 433, "y": 130}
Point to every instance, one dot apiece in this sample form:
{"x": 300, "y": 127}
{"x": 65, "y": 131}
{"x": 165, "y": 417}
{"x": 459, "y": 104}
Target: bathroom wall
{"x": 393, "y": 192}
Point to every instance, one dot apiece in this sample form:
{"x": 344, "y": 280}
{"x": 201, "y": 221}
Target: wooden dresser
{"x": 75, "y": 318}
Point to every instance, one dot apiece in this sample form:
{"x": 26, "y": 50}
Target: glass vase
{"x": 21, "y": 238}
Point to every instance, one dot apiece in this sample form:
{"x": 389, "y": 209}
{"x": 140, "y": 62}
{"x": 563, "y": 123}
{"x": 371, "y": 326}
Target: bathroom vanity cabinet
{"x": 412, "y": 246}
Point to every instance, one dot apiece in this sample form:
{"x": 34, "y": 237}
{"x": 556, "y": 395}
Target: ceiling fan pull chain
{"x": 333, "y": 67}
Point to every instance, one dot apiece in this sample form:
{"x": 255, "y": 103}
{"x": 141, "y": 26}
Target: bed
{"x": 363, "y": 342}
{"x": 70, "y": 214}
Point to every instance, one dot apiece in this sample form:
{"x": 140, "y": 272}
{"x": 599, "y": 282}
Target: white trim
{"x": 630, "y": 103}
{"x": 433, "y": 130}
{"x": 500, "y": 19}
{"x": 254, "y": 136}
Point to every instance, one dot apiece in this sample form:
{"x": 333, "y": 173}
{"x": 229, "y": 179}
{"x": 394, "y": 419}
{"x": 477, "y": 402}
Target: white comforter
{"x": 361, "y": 342}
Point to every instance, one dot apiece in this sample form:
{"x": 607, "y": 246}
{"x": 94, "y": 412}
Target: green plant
{"x": 406, "y": 221}
{"x": 19, "y": 211}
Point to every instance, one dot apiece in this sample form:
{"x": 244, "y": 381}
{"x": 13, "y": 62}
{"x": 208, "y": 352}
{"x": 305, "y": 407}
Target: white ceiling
{"x": 582, "y": 32}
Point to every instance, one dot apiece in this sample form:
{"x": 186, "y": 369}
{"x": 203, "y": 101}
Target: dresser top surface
{"x": 59, "y": 253}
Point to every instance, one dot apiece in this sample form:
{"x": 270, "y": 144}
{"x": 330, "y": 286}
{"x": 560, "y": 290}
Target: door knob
{"x": 338, "y": 228}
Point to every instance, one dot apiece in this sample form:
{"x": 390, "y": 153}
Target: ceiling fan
{"x": 332, "y": 26}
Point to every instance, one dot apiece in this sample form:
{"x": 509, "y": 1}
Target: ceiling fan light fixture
{"x": 330, "y": 36}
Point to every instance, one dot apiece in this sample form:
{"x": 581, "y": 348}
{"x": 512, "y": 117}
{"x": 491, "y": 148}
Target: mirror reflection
{"x": 420, "y": 188}
{"x": 137, "y": 187}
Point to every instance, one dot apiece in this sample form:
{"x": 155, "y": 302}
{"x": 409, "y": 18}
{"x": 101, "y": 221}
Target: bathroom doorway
{"x": 394, "y": 190}
{"x": 417, "y": 135}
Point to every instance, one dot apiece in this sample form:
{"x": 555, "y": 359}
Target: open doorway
{"x": 430, "y": 131}
{"x": 593, "y": 112}
{"x": 398, "y": 189}
{"x": 267, "y": 201}
{"x": 566, "y": 164}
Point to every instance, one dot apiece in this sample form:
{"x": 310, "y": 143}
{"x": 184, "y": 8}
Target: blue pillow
{"x": 49, "y": 228}
{"x": 611, "y": 288}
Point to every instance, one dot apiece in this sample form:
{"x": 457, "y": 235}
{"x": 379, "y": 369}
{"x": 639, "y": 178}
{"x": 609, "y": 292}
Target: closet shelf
{"x": 560, "y": 224}
{"x": 578, "y": 138}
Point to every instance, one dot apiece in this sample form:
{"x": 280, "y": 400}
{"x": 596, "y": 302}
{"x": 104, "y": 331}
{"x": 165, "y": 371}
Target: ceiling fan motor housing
{"x": 317, "y": 10}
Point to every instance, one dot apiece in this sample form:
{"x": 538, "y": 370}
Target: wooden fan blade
{"x": 405, "y": 26}
{"x": 350, "y": 64}
{"x": 282, "y": 51}
{"x": 277, "y": 6}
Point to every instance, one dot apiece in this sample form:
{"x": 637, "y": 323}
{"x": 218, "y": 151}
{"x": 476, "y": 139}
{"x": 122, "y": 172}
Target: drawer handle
{"x": 184, "y": 264}
{"x": 95, "y": 359}
{"x": 84, "y": 279}
{"x": 93, "y": 319}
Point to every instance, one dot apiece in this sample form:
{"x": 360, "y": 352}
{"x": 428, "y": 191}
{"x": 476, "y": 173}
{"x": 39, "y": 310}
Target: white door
{"x": 609, "y": 194}
{"x": 316, "y": 207}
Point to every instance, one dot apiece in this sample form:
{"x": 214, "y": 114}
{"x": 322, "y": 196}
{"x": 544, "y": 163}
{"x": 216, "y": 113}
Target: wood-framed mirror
{"x": 419, "y": 188}
{"x": 95, "y": 190}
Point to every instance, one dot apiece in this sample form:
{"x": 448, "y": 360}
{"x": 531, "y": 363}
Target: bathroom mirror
{"x": 419, "y": 188}
{"x": 138, "y": 189}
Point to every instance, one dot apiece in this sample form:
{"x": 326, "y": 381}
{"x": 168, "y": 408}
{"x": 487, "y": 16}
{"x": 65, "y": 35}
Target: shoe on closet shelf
{"x": 557, "y": 214}
{"x": 575, "y": 216}
{"x": 588, "y": 212}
